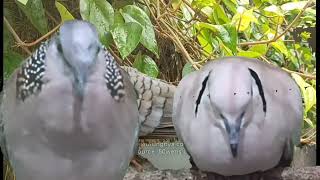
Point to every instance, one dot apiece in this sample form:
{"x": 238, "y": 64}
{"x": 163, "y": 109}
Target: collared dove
{"x": 70, "y": 112}
{"x": 238, "y": 116}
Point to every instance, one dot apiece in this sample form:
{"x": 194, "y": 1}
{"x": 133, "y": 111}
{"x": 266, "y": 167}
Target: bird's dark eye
{"x": 59, "y": 47}
{"x": 98, "y": 50}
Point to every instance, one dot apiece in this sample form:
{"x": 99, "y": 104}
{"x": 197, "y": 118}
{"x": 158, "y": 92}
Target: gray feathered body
{"x": 53, "y": 132}
{"x": 268, "y": 128}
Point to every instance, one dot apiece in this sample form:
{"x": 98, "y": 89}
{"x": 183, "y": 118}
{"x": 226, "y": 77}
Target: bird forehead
{"x": 80, "y": 34}
{"x": 231, "y": 82}
{"x": 82, "y": 38}
{"x": 231, "y": 89}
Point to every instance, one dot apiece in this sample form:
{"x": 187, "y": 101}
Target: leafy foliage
{"x": 35, "y": 12}
{"x": 227, "y": 28}
{"x": 127, "y": 37}
{"x": 100, "y": 13}
{"x": 64, "y": 13}
{"x": 146, "y": 65}
{"x": 135, "y": 14}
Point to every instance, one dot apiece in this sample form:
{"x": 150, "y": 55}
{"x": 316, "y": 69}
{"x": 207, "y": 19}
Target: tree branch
{"x": 23, "y": 44}
{"x": 283, "y": 33}
{"x": 15, "y": 35}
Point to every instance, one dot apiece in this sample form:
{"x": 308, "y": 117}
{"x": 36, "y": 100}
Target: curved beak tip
{"x": 234, "y": 149}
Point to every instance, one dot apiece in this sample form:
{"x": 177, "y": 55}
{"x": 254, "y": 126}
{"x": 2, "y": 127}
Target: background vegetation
{"x": 168, "y": 39}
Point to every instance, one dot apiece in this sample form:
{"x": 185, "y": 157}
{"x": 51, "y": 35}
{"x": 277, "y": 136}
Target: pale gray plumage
{"x": 238, "y": 116}
{"x": 155, "y": 99}
{"x": 70, "y": 112}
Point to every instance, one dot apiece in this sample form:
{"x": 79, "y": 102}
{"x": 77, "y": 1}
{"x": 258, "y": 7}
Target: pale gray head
{"x": 230, "y": 89}
{"x": 79, "y": 43}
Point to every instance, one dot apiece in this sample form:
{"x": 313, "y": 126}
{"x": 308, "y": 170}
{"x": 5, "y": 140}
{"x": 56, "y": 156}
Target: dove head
{"x": 79, "y": 44}
{"x": 230, "y": 89}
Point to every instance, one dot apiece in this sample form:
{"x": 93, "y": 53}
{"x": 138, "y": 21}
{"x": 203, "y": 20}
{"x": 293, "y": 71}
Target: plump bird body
{"x": 80, "y": 122}
{"x": 262, "y": 101}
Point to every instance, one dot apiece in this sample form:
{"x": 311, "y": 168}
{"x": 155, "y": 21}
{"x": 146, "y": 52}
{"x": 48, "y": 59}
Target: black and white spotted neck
{"x": 29, "y": 77}
{"x": 113, "y": 77}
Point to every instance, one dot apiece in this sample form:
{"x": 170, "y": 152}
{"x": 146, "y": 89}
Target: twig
{"x": 283, "y": 33}
{"x": 158, "y": 8}
{"x": 203, "y": 16}
{"x": 15, "y": 35}
{"x": 51, "y": 17}
{"x": 174, "y": 38}
{"x": 181, "y": 47}
{"x": 304, "y": 75}
{"x": 118, "y": 59}
{"x": 239, "y": 23}
{"x": 40, "y": 39}
{"x": 308, "y": 76}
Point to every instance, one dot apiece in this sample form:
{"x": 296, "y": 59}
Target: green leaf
{"x": 118, "y": 19}
{"x": 100, "y": 13}
{"x": 176, "y": 3}
{"x": 7, "y": 39}
{"x": 187, "y": 68}
{"x": 201, "y": 3}
{"x": 245, "y": 19}
{"x": 293, "y": 59}
{"x": 117, "y": 4}
{"x": 250, "y": 54}
{"x": 275, "y": 56}
{"x": 64, "y": 13}
{"x": 308, "y": 92}
{"x": 305, "y": 35}
{"x": 127, "y": 37}
{"x": 133, "y": 13}
{"x": 281, "y": 47}
{"x": 259, "y": 48}
{"x": 293, "y": 5}
{"x": 309, "y": 122}
{"x": 257, "y": 3}
{"x": 226, "y": 50}
{"x": 227, "y": 34}
{"x": 306, "y": 54}
{"x": 146, "y": 65}
{"x": 187, "y": 12}
{"x": 219, "y": 14}
{"x": 35, "y": 13}
{"x": 233, "y": 35}
{"x": 275, "y": 11}
{"x": 11, "y": 60}
{"x": 243, "y": 2}
{"x": 231, "y": 5}
{"x": 208, "y": 11}
{"x": 24, "y": 2}
{"x": 138, "y": 62}
{"x": 205, "y": 43}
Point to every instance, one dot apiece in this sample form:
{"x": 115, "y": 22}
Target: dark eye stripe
{"x": 204, "y": 84}
{"x": 226, "y": 124}
{"x": 261, "y": 93}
